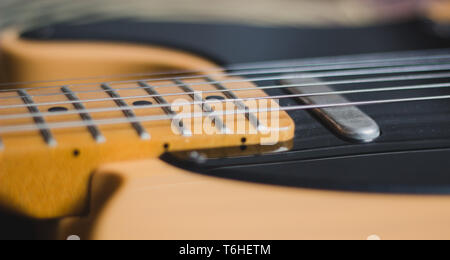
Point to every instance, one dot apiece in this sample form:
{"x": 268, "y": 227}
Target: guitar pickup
{"x": 348, "y": 122}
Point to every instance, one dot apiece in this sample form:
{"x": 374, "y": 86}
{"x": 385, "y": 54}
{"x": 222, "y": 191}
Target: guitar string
{"x": 261, "y": 79}
{"x": 236, "y": 73}
{"x": 290, "y": 70}
{"x": 345, "y": 59}
{"x": 278, "y": 97}
{"x": 341, "y": 58}
{"x": 329, "y": 93}
{"x": 312, "y": 84}
{"x": 101, "y": 122}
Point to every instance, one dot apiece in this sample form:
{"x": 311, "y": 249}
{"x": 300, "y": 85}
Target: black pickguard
{"x": 411, "y": 156}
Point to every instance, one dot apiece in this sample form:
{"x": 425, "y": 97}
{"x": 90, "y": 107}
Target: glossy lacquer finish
{"x": 408, "y": 130}
{"x": 154, "y": 199}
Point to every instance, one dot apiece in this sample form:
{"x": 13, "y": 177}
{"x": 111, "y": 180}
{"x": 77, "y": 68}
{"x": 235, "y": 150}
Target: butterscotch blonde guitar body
{"x": 150, "y": 199}
{"x": 135, "y": 195}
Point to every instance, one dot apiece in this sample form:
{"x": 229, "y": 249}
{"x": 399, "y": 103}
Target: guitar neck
{"x": 67, "y": 128}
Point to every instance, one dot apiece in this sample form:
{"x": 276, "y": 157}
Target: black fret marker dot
{"x": 76, "y": 153}
{"x": 142, "y": 103}
{"x": 215, "y": 98}
{"x": 57, "y": 109}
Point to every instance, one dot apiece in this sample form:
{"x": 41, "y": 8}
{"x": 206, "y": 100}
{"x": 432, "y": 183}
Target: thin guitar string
{"x": 261, "y": 65}
{"x": 268, "y": 97}
{"x": 312, "y": 84}
{"x": 101, "y": 122}
{"x": 341, "y": 58}
{"x": 219, "y": 69}
{"x": 290, "y": 70}
{"x": 114, "y": 109}
{"x": 294, "y": 76}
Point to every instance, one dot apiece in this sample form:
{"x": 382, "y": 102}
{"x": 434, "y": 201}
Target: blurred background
{"x": 28, "y": 13}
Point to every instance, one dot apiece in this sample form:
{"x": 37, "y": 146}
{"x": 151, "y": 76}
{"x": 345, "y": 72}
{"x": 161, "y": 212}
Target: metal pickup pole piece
{"x": 349, "y": 122}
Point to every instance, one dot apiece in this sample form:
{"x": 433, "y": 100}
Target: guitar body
{"x": 151, "y": 199}
{"x": 321, "y": 186}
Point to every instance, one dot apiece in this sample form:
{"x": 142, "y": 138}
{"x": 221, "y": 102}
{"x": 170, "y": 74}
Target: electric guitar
{"x": 123, "y": 129}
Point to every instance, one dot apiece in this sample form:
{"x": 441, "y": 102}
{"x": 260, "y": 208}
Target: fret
{"x": 161, "y": 100}
{"x": 218, "y": 122}
{"x": 239, "y": 104}
{"x": 127, "y": 112}
{"x": 39, "y": 120}
{"x": 86, "y": 117}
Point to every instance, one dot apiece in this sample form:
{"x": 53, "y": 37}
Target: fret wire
{"x": 385, "y": 79}
{"x": 218, "y": 122}
{"x": 167, "y": 117}
{"x": 291, "y": 70}
{"x": 129, "y": 114}
{"x": 343, "y": 92}
{"x": 340, "y": 60}
{"x": 38, "y": 118}
{"x": 167, "y": 108}
{"x": 93, "y": 129}
{"x": 240, "y": 105}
